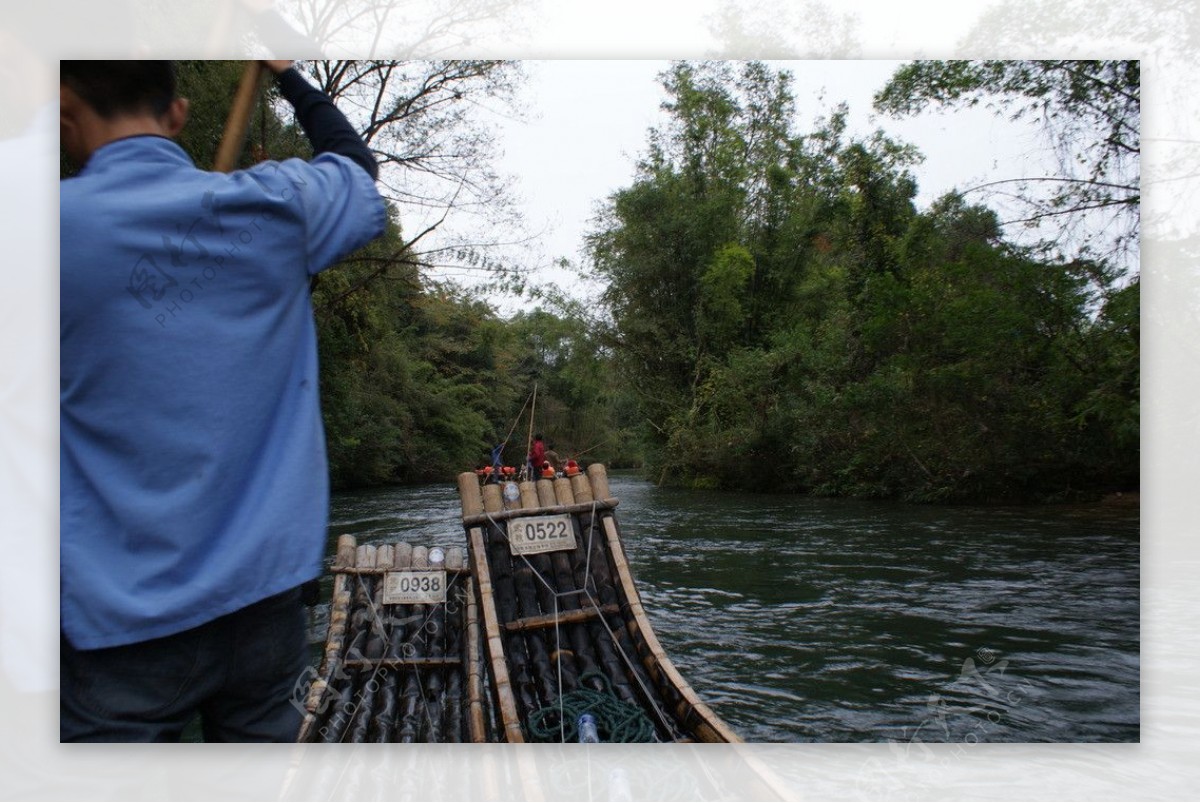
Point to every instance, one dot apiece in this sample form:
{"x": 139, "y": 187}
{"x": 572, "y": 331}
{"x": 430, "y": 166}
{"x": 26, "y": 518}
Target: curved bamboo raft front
{"x": 568, "y": 623}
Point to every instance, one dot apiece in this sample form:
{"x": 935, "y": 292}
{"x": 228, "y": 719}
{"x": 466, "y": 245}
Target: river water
{"x": 816, "y": 620}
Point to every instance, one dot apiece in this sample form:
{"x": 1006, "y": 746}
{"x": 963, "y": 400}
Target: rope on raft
{"x": 616, "y": 720}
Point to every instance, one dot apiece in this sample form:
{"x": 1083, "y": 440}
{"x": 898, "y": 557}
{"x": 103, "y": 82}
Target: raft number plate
{"x": 414, "y": 587}
{"x": 535, "y": 534}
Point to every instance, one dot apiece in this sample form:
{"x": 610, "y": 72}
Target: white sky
{"x": 587, "y": 122}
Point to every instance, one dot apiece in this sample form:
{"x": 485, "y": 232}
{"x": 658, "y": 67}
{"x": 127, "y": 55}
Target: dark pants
{"x": 238, "y": 672}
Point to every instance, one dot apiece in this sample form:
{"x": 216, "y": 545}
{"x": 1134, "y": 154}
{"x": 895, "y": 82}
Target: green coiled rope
{"x": 616, "y": 720}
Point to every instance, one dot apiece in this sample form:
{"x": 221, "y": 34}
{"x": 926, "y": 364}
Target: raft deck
{"x": 537, "y": 623}
{"x": 564, "y": 626}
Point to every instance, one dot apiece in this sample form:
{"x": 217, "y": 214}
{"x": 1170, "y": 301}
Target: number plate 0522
{"x": 414, "y": 587}
{"x": 534, "y": 534}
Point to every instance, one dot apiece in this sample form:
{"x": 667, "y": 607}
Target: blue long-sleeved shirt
{"x": 193, "y": 470}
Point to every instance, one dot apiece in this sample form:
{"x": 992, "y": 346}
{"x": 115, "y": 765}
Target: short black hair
{"x": 114, "y": 88}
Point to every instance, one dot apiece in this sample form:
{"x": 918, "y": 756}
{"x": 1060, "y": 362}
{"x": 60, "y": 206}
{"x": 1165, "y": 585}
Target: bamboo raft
{"x": 541, "y": 622}
{"x": 568, "y": 620}
{"x": 399, "y": 671}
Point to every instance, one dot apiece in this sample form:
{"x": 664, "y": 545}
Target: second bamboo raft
{"x": 562, "y": 619}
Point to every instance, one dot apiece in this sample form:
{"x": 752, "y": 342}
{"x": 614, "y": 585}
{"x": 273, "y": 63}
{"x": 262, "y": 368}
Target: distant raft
{"x": 540, "y": 630}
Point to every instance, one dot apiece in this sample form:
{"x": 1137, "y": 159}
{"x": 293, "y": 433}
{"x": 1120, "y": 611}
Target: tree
{"x": 429, "y": 125}
{"x": 788, "y": 319}
{"x": 1089, "y": 112}
{"x": 406, "y": 30}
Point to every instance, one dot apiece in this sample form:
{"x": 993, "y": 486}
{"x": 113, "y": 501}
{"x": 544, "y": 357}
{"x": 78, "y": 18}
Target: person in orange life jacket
{"x": 552, "y": 456}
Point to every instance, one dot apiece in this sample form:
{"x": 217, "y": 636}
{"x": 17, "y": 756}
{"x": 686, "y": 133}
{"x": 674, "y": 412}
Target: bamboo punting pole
{"x": 239, "y": 118}
{"x": 312, "y": 704}
{"x": 529, "y": 443}
{"x": 561, "y": 618}
{"x": 443, "y": 662}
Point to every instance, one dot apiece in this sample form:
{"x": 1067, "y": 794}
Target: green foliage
{"x": 787, "y": 319}
{"x": 722, "y": 287}
{"x": 778, "y": 314}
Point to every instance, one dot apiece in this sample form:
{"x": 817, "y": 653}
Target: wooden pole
{"x": 238, "y": 121}
{"x": 529, "y": 442}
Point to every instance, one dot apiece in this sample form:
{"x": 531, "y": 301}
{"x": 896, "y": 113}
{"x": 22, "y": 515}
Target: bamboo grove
{"x": 779, "y": 314}
{"x": 789, "y": 319}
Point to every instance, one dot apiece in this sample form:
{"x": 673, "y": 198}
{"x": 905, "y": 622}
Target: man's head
{"x": 101, "y": 101}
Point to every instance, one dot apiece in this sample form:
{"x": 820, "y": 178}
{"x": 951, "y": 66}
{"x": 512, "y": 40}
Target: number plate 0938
{"x": 414, "y": 587}
{"x": 534, "y": 534}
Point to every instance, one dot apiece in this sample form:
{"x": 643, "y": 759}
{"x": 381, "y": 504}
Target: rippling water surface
{"x": 801, "y": 619}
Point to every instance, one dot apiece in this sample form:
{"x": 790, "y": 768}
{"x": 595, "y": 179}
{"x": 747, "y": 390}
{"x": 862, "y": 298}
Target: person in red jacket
{"x": 537, "y": 455}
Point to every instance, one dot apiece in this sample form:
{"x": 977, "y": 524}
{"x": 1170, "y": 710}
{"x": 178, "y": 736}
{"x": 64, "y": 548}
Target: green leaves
{"x": 721, "y": 315}
{"x": 788, "y": 319}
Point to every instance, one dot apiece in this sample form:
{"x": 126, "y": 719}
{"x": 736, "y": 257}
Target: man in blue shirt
{"x": 194, "y": 485}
